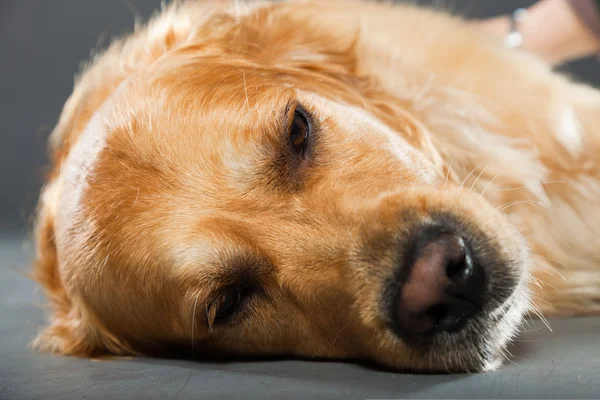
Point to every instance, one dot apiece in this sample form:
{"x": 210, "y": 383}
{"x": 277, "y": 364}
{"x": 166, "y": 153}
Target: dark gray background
{"x": 42, "y": 44}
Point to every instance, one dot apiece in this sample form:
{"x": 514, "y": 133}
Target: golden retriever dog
{"x": 338, "y": 180}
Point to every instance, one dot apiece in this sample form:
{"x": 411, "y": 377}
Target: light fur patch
{"x": 355, "y": 119}
{"x": 568, "y": 130}
{"x": 73, "y": 227}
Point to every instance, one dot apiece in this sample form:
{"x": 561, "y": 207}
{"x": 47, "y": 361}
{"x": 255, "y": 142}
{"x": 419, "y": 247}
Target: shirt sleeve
{"x": 588, "y": 11}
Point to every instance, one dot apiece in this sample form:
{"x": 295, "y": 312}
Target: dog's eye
{"x": 299, "y": 131}
{"x": 228, "y": 303}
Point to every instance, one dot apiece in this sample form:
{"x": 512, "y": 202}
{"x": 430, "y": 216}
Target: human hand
{"x": 551, "y": 29}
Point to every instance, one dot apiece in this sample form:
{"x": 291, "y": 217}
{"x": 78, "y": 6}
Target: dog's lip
{"x": 457, "y": 320}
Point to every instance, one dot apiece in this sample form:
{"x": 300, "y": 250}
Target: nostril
{"x": 465, "y": 277}
{"x": 467, "y": 280}
{"x": 458, "y": 258}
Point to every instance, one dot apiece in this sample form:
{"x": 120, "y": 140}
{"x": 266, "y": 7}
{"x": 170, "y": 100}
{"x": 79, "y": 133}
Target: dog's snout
{"x": 444, "y": 287}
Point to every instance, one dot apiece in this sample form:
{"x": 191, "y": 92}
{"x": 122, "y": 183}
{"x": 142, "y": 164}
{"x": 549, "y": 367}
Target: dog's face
{"x": 216, "y": 207}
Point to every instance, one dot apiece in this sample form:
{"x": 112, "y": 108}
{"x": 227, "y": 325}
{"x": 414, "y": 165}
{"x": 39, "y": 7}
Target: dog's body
{"x": 156, "y": 156}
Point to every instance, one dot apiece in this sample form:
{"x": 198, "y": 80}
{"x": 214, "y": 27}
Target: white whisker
{"x": 468, "y": 176}
{"x": 448, "y": 170}
{"x": 194, "y": 326}
{"x": 525, "y": 187}
{"x": 507, "y": 358}
{"x": 538, "y": 298}
{"x": 551, "y": 267}
{"x": 482, "y": 172}
{"x": 488, "y": 185}
{"x": 537, "y": 282}
{"x": 528, "y": 202}
{"x": 537, "y": 311}
{"x": 246, "y": 103}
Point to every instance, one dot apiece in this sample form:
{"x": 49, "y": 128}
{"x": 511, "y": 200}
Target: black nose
{"x": 444, "y": 287}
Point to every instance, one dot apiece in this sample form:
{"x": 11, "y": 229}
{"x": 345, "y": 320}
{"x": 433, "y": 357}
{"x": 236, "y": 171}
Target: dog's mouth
{"x": 478, "y": 346}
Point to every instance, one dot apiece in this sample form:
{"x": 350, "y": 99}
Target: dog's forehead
{"x": 144, "y": 131}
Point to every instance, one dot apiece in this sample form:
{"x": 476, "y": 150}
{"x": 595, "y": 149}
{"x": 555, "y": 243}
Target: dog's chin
{"x": 506, "y": 322}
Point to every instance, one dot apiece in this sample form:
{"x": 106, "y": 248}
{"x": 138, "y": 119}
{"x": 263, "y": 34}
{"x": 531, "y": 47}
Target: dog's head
{"x": 217, "y": 204}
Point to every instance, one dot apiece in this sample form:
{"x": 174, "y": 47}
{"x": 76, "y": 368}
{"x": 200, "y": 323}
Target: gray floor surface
{"x": 564, "y": 363}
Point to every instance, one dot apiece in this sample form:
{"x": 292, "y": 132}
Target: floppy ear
{"x": 67, "y": 332}
{"x": 72, "y": 328}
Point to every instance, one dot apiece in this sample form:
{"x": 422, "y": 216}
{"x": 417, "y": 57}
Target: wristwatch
{"x": 514, "y": 39}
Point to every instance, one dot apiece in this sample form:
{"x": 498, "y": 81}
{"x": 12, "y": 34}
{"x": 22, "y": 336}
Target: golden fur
{"x": 168, "y": 183}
